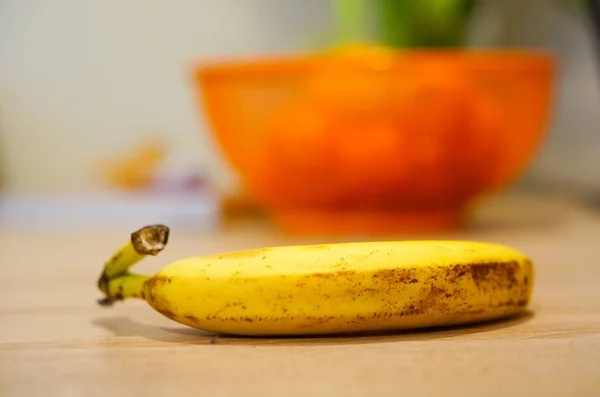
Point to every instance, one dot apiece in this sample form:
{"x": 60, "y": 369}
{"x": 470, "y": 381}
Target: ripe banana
{"x": 327, "y": 289}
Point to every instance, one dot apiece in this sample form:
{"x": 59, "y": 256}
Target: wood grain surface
{"x": 56, "y": 341}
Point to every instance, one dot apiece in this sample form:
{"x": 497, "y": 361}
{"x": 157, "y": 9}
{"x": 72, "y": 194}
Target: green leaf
{"x": 425, "y": 23}
{"x": 349, "y": 20}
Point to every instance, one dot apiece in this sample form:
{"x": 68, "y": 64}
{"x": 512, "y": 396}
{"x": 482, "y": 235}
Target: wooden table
{"x": 55, "y": 340}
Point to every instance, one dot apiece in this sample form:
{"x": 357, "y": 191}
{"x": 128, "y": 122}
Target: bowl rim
{"x": 511, "y": 61}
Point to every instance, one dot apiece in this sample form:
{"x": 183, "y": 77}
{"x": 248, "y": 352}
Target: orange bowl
{"x": 377, "y": 141}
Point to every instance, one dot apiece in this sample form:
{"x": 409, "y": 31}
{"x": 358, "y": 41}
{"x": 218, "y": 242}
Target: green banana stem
{"x": 115, "y": 281}
{"x": 127, "y": 286}
{"x": 121, "y": 260}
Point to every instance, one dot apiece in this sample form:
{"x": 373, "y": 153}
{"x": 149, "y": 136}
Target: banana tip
{"x": 106, "y": 301}
{"x": 150, "y": 240}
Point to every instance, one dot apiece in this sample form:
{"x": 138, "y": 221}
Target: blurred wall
{"x": 570, "y": 158}
{"x": 84, "y": 79}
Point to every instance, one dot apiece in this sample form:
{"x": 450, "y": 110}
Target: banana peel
{"x": 325, "y": 289}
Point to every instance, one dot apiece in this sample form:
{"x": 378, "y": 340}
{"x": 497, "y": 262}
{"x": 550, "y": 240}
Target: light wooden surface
{"x": 55, "y": 340}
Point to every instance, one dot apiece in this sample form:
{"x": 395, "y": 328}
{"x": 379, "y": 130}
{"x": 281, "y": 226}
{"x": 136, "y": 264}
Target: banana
{"x": 328, "y": 289}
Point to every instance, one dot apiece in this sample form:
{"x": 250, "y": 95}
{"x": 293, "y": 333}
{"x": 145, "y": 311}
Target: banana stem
{"x": 128, "y": 286}
{"x": 122, "y": 260}
{"x": 149, "y": 240}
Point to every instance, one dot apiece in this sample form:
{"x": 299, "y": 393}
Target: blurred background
{"x": 316, "y": 116}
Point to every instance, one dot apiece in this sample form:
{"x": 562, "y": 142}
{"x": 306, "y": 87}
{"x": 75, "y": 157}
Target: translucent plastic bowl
{"x": 374, "y": 141}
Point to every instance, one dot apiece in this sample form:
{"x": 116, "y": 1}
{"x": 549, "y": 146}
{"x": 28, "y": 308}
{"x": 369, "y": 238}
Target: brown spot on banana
{"x": 152, "y": 292}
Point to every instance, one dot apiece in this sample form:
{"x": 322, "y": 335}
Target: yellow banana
{"x": 332, "y": 288}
